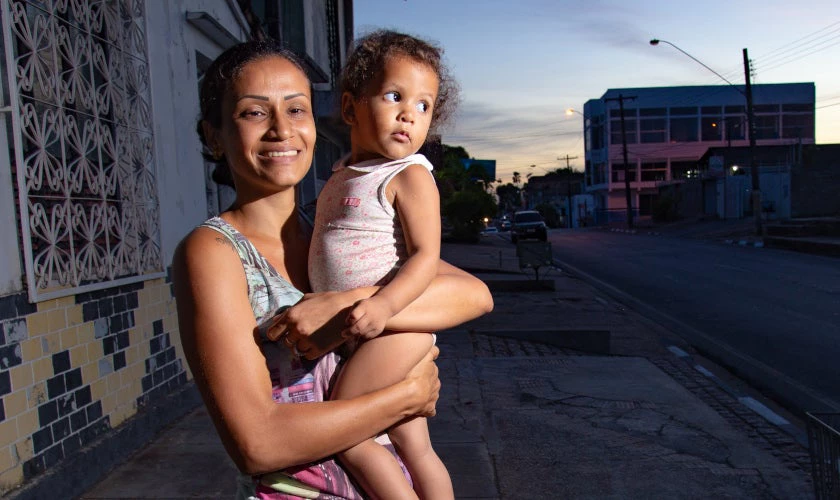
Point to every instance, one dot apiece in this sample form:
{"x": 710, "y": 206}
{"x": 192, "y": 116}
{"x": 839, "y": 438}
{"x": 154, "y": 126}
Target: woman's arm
{"x": 453, "y": 297}
{"x": 217, "y": 332}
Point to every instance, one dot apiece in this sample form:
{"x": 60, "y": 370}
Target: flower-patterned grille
{"x": 83, "y": 143}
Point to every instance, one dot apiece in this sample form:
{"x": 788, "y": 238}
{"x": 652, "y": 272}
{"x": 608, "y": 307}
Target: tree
{"x": 549, "y": 214}
{"x": 464, "y": 200}
{"x": 516, "y": 178}
{"x": 452, "y": 176}
{"x": 508, "y": 197}
{"x": 466, "y": 211}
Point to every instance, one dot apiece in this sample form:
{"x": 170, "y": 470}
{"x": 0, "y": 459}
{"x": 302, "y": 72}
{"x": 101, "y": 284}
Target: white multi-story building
{"x": 669, "y": 128}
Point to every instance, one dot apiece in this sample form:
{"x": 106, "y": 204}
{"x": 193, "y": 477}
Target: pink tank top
{"x": 358, "y": 239}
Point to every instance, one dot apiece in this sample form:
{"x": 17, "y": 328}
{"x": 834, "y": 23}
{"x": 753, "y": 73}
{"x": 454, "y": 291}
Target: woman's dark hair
{"x": 371, "y": 52}
{"x": 217, "y": 80}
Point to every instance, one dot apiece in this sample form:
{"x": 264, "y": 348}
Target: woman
{"x": 233, "y": 273}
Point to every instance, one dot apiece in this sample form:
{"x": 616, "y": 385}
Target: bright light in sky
{"x": 522, "y": 64}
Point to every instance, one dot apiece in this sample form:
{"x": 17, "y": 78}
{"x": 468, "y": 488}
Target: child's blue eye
{"x": 392, "y": 96}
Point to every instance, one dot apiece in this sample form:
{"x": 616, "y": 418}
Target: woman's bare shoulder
{"x": 205, "y": 248}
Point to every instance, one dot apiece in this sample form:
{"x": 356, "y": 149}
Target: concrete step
{"x": 817, "y": 245}
{"x": 820, "y": 226}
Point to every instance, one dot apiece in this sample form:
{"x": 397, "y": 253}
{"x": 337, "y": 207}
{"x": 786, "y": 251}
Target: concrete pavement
{"x": 558, "y": 393}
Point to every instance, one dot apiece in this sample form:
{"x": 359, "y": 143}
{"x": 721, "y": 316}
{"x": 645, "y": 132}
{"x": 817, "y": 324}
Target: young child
{"x": 378, "y": 223}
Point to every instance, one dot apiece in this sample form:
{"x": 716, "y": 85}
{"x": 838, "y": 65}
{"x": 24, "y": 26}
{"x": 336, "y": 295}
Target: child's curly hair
{"x": 371, "y": 52}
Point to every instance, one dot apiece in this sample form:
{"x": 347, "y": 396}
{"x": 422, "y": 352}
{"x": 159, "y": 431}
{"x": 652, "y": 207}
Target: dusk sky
{"x": 521, "y": 64}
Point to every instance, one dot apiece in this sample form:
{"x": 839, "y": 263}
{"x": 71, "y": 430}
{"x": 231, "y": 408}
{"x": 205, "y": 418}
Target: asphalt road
{"x": 772, "y": 316}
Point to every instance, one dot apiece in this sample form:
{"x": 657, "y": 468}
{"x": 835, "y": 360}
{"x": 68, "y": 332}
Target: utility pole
{"x": 620, "y": 100}
{"x": 754, "y": 177}
{"x": 569, "y": 189}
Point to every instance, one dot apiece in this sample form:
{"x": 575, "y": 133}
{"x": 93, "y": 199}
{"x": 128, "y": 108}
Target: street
{"x": 771, "y": 316}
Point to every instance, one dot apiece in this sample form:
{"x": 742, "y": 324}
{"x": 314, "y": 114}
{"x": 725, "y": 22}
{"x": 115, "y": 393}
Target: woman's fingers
{"x": 278, "y": 328}
{"x": 426, "y": 373}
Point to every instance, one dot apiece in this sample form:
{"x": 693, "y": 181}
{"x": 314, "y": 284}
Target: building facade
{"x": 667, "y": 129}
{"x": 101, "y": 175}
{"x": 556, "y": 189}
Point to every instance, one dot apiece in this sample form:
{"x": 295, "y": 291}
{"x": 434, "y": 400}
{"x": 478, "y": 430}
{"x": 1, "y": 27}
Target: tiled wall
{"x": 73, "y": 368}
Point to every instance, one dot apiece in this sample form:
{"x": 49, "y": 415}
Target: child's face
{"x": 392, "y": 118}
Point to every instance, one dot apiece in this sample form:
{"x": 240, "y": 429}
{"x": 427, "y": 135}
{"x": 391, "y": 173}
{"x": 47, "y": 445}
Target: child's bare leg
{"x": 412, "y": 441}
{"x": 378, "y": 363}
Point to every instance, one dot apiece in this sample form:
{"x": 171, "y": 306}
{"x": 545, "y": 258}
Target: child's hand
{"x": 367, "y": 319}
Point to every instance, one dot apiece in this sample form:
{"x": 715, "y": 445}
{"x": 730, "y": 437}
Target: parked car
{"x": 528, "y": 224}
{"x": 490, "y": 230}
{"x": 504, "y": 225}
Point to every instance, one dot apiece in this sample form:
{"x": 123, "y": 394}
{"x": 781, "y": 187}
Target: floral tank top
{"x": 293, "y": 380}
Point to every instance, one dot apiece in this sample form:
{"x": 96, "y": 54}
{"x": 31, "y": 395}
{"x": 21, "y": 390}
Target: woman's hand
{"x": 424, "y": 378}
{"x": 313, "y": 325}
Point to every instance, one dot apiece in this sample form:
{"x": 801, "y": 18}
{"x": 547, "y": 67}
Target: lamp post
{"x": 747, "y": 93}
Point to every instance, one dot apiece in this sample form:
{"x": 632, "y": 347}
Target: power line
{"x": 813, "y": 50}
{"x": 776, "y": 53}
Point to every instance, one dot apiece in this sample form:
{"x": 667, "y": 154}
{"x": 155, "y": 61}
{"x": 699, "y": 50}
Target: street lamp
{"x": 571, "y": 111}
{"x": 657, "y": 41}
{"x": 747, "y": 93}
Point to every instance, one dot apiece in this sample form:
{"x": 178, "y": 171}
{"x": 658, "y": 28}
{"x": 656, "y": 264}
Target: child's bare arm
{"x": 415, "y": 197}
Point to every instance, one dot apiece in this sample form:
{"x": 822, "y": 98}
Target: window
{"x": 652, "y": 130}
{"x": 84, "y": 145}
{"x": 615, "y": 131}
{"x": 765, "y": 108}
{"x": 685, "y": 111}
{"x": 628, "y": 113}
{"x": 653, "y": 112}
{"x": 801, "y": 108}
{"x": 618, "y": 172}
{"x": 735, "y": 128}
{"x": 684, "y": 129}
{"x": 767, "y": 127}
{"x": 711, "y": 128}
{"x": 600, "y": 174}
{"x": 798, "y": 126}
{"x": 597, "y": 132}
{"x": 654, "y": 171}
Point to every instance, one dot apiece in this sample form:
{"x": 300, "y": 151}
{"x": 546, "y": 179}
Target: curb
{"x": 748, "y": 401}
{"x": 745, "y": 243}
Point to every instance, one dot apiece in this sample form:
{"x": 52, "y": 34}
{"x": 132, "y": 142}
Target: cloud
{"x": 515, "y": 136}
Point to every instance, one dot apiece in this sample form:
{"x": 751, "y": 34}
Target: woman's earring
{"x": 217, "y": 154}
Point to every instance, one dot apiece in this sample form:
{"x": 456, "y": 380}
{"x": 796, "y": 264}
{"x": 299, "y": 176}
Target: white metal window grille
{"x": 84, "y": 148}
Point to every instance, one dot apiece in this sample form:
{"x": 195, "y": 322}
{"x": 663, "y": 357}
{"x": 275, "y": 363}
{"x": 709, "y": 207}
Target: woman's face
{"x": 268, "y": 129}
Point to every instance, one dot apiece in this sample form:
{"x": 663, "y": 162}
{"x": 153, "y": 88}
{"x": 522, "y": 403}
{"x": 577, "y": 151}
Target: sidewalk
{"x": 523, "y": 415}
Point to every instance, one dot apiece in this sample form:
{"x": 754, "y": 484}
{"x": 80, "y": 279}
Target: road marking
{"x": 704, "y": 371}
{"x": 762, "y": 410}
{"x": 749, "y": 402}
{"x": 677, "y": 351}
